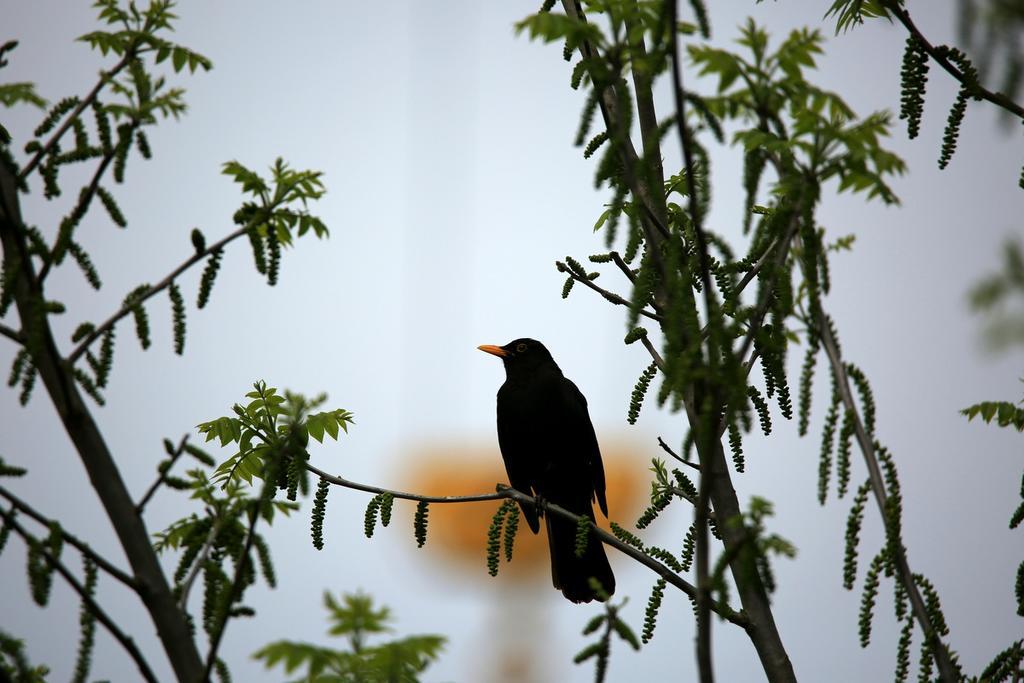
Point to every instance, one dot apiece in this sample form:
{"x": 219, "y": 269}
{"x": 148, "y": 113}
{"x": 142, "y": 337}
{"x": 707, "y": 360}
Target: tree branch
{"x": 163, "y": 475}
{"x": 57, "y": 376}
{"x": 186, "y": 587}
{"x": 126, "y": 641}
{"x": 975, "y": 89}
{"x": 157, "y": 288}
{"x": 12, "y": 334}
{"x": 105, "y": 78}
{"x": 610, "y": 296}
{"x": 71, "y": 540}
{"x": 84, "y": 200}
{"x": 726, "y": 612}
{"x": 939, "y": 650}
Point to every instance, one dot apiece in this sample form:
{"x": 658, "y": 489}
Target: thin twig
{"x": 163, "y": 475}
{"x": 101, "y": 616}
{"x": 704, "y": 665}
{"x": 659, "y": 362}
{"x": 505, "y": 493}
{"x": 72, "y": 540}
{"x": 975, "y": 89}
{"x": 84, "y": 201}
{"x": 12, "y": 334}
{"x": 160, "y": 286}
{"x": 867, "y": 448}
{"x": 626, "y": 270}
{"x": 186, "y": 587}
{"x": 611, "y": 296}
{"x": 665, "y": 447}
{"x": 236, "y": 587}
{"x": 105, "y": 78}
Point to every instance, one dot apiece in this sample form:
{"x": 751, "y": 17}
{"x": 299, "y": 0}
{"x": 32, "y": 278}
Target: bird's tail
{"x": 571, "y": 574}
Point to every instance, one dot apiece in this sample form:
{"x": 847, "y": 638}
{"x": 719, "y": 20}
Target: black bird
{"x": 550, "y": 450}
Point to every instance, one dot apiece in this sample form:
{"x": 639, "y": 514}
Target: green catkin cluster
{"x": 1018, "y": 589}
{"x": 658, "y": 503}
{"x": 85, "y": 264}
{"x": 587, "y": 117}
{"x": 88, "y": 385}
{"x": 387, "y": 503}
{"x": 192, "y": 543}
{"x": 625, "y": 536}
{"x": 925, "y": 663}
{"x": 142, "y": 144}
{"x": 222, "y": 671}
{"x": 87, "y": 625}
{"x": 952, "y": 132}
{"x": 102, "y": 366}
{"x": 295, "y": 471}
{"x": 853, "y": 527}
{"x": 506, "y": 509}
{"x": 806, "y": 382}
{"x": 636, "y": 400}
{"x": 511, "y": 527}
{"x": 736, "y": 446}
{"x": 54, "y": 115}
{"x": 701, "y": 13}
{"x": 595, "y": 144}
{"x": 110, "y": 204}
{"x": 685, "y": 484}
{"x": 258, "y": 253}
{"x": 868, "y": 598}
{"x": 21, "y": 361}
{"x": 5, "y": 528}
{"x": 567, "y": 287}
{"x": 274, "y": 252}
{"x": 319, "y": 512}
{"x": 134, "y": 302}
{"x": 209, "y": 275}
{"x": 121, "y": 149}
{"x": 266, "y": 563}
{"x": 903, "y": 650}
{"x": 827, "y": 438}
{"x": 761, "y": 406}
{"x": 689, "y": 546}
{"x": 582, "y": 535}
{"x": 102, "y": 126}
{"x": 665, "y": 557}
{"x": 40, "y": 571}
{"x": 420, "y": 523}
{"x": 893, "y": 505}
{"x": 178, "y": 315}
{"x": 651, "y": 613}
{"x": 932, "y": 605}
{"x": 867, "y": 398}
{"x": 1005, "y": 664}
{"x": 843, "y": 454}
{"x": 214, "y": 583}
{"x": 370, "y": 519}
{"x": 81, "y": 137}
{"x": 913, "y": 79}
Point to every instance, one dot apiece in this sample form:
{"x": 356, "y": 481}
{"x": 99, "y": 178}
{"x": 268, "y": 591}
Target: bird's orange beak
{"x": 493, "y": 350}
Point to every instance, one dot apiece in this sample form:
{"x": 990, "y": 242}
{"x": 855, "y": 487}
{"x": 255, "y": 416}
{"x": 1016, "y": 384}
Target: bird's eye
{"x": 520, "y": 347}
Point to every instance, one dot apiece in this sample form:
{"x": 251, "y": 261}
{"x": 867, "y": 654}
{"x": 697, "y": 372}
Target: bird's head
{"x": 522, "y": 357}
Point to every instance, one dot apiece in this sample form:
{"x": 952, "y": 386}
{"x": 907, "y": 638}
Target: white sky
{"x": 453, "y": 186}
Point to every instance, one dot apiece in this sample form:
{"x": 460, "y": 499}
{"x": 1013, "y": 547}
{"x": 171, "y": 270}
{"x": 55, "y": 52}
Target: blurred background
{"x": 445, "y": 142}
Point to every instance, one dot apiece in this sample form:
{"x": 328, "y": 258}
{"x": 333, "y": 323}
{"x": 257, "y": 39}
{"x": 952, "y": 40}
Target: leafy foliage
{"x": 356, "y": 620}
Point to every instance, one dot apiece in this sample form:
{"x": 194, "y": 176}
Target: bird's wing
{"x": 583, "y": 429}
{"x": 516, "y": 451}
